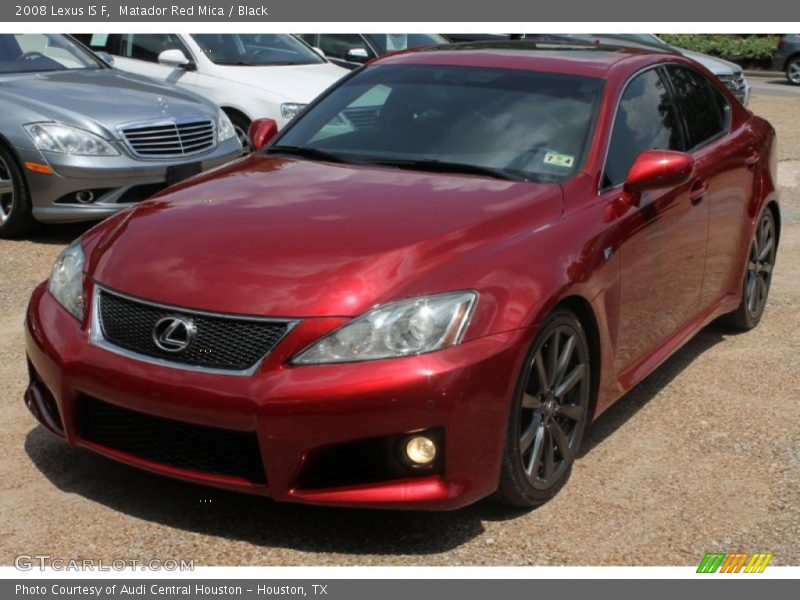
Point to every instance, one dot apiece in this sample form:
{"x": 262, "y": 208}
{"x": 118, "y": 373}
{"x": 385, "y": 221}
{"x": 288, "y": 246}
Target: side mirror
{"x": 175, "y": 58}
{"x": 655, "y": 169}
{"x": 105, "y": 57}
{"x": 357, "y": 55}
{"x": 318, "y": 51}
{"x": 261, "y": 132}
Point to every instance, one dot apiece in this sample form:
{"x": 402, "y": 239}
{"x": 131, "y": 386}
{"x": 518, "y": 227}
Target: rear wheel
{"x": 758, "y": 277}
{"x": 549, "y": 413}
{"x": 793, "y": 70}
{"x": 15, "y": 206}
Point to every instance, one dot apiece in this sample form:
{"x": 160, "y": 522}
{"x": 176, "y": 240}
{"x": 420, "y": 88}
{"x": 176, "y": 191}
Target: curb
{"x": 760, "y": 73}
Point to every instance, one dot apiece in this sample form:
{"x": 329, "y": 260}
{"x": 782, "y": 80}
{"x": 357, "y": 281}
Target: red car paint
{"x": 294, "y": 238}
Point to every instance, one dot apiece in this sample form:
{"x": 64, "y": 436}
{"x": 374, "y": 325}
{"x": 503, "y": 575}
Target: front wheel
{"x": 241, "y": 125}
{"x": 548, "y": 415}
{"x": 15, "y": 205}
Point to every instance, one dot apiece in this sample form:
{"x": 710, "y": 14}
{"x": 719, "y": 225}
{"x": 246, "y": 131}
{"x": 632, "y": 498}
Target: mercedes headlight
{"x": 225, "y": 129}
{"x": 404, "y": 328}
{"x": 65, "y": 139}
{"x": 66, "y": 280}
{"x": 290, "y": 110}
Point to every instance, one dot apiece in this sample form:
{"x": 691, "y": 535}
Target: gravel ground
{"x": 704, "y": 455}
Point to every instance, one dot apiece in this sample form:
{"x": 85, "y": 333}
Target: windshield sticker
{"x": 559, "y": 160}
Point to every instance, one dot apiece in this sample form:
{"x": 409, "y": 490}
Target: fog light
{"x": 84, "y": 196}
{"x": 420, "y": 450}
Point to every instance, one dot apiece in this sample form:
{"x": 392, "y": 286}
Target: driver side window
{"x": 645, "y": 120}
{"x": 338, "y": 45}
{"x": 147, "y": 46}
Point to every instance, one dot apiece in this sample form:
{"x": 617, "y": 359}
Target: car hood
{"x": 101, "y": 97}
{"x": 295, "y": 238}
{"x": 716, "y": 65}
{"x": 295, "y": 83}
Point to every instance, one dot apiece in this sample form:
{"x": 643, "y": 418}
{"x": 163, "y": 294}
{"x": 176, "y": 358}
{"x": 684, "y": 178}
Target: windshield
{"x": 256, "y": 50}
{"x": 391, "y": 42}
{"x": 516, "y": 124}
{"x": 36, "y": 52}
{"x": 647, "y": 38}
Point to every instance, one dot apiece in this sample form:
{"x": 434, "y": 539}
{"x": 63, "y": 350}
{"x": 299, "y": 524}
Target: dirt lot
{"x": 704, "y": 455}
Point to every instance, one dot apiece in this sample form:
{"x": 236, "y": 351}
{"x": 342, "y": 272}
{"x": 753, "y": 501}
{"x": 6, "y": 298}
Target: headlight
{"x": 65, "y": 139}
{"x": 66, "y": 280}
{"x": 225, "y": 129}
{"x": 290, "y": 110}
{"x": 403, "y": 328}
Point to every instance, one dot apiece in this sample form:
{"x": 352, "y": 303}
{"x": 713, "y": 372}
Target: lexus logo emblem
{"x": 174, "y": 334}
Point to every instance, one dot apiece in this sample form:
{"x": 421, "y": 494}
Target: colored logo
{"x": 739, "y": 562}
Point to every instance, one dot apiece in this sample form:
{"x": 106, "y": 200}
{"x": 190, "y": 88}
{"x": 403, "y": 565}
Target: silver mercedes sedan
{"x": 80, "y": 140}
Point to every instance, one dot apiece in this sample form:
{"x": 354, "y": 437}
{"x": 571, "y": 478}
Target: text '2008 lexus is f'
{"x": 423, "y": 290}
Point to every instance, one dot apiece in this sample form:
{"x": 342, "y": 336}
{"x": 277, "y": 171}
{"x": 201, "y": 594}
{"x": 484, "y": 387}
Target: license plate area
{"x": 177, "y": 173}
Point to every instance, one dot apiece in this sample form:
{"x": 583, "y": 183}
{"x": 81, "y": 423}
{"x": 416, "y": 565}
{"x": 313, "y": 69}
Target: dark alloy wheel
{"x": 549, "y": 414}
{"x": 758, "y": 277}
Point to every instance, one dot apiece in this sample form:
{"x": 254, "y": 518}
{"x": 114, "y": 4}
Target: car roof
{"x": 554, "y": 54}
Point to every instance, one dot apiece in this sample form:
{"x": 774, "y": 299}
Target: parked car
{"x": 248, "y": 75}
{"x": 80, "y": 140}
{"x": 728, "y": 72}
{"x": 424, "y": 307}
{"x": 787, "y": 58}
{"x": 351, "y": 50}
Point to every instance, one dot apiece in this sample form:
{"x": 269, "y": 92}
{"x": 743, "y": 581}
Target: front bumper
{"x": 295, "y": 413}
{"x": 116, "y": 182}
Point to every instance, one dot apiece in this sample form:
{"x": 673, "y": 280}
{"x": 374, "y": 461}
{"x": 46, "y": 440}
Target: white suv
{"x": 250, "y": 76}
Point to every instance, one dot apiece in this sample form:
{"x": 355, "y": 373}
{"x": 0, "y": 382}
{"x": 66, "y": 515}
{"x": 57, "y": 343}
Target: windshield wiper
{"x": 441, "y": 166}
{"x": 235, "y": 63}
{"x": 308, "y": 152}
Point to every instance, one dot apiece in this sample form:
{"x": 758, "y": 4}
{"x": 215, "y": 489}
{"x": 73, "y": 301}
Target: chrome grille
{"x": 735, "y": 82}
{"x": 221, "y": 342}
{"x": 169, "y": 137}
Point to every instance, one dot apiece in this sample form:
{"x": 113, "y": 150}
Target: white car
{"x": 250, "y": 76}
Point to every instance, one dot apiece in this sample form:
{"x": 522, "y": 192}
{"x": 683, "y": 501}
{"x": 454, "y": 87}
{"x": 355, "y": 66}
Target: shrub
{"x": 747, "y": 50}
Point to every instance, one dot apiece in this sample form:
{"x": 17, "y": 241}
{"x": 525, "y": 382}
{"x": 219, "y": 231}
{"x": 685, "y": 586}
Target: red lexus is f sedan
{"x": 423, "y": 290}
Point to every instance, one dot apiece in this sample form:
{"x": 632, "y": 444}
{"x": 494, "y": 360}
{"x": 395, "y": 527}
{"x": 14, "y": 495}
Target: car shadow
{"x": 264, "y": 522}
{"x": 627, "y": 406}
{"x": 243, "y": 517}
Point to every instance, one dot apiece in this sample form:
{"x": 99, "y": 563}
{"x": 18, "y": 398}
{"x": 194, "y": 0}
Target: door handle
{"x": 752, "y": 159}
{"x": 698, "y": 191}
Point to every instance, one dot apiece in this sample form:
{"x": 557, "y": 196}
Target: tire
{"x": 758, "y": 275}
{"x": 793, "y": 70}
{"x": 15, "y": 205}
{"x": 242, "y": 125}
{"x": 550, "y": 405}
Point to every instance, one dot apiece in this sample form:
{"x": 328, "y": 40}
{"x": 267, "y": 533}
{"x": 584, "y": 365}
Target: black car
{"x": 787, "y": 58}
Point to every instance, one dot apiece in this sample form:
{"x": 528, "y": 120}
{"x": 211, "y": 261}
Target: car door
{"x": 724, "y": 166}
{"x": 662, "y": 242}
